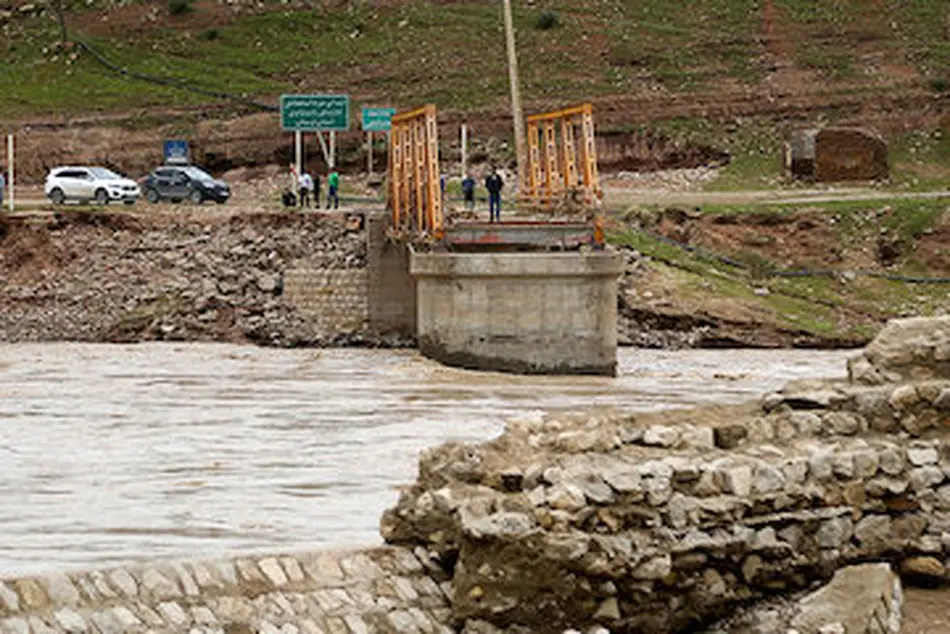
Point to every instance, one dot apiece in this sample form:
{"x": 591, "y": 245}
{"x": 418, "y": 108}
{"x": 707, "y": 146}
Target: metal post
{"x": 369, "y": 152}
{"x": 464, "y": 150}
{"x": 323, "y": 148}
{"x": 298, "y": 152}
{"x": 516, "y": 111}
{"x": 10, "y": 170}
{"x": 332, "y": 149}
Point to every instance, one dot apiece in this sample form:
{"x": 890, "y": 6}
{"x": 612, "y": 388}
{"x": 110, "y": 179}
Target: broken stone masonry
{"x": 667, "y": 522}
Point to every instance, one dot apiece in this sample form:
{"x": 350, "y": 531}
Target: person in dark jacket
{"x": 468, "y": 191}
{"x": 493, "y": 184}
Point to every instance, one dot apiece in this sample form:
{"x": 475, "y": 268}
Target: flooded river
{"x": 116, "y": 453}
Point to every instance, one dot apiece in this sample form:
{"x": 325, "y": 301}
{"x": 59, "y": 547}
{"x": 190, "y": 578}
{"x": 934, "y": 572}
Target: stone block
{"x": 865, "y": 599}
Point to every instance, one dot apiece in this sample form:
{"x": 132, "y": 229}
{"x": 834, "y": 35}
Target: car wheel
{"x": 129, "y": 202}
{"x": 195, "y": 197}
{"x": 221, "y": 201}
{"x": 57, "y": 196}
{"x": 151, "y": 196}
{"x": 102, "y": 197}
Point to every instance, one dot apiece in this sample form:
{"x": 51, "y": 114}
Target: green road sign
{"x": 312, "y": 113}
{"x": 378, "y": 119}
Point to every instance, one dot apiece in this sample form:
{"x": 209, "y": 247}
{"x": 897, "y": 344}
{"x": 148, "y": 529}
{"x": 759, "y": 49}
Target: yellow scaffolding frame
{"x": 415, "y": 196}
{"x": 555, "y": 170}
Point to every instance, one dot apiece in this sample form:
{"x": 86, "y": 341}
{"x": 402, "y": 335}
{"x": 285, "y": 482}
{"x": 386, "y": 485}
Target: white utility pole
{"x": 464, "y": 150}
{"x": 516, "y": 112}
{"x": 10, "y": 164}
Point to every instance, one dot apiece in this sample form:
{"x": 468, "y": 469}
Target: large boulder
{"x": 913, "y": 349}
{"x": 862, "y": 599}
{"x": 850, "y": 154}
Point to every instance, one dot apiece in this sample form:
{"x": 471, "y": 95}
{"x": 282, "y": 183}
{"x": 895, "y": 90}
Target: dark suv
{"x": 176, "y": 183}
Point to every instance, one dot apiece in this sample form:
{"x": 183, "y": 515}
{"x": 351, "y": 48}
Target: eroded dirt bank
{"x": 95, "y": 276}
{"x": 213, "y": 274}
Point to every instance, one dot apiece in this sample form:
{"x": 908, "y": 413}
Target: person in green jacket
{"x": 333, "y": 187}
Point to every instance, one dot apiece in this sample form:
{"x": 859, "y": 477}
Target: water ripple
{"x": 112, "y": 454}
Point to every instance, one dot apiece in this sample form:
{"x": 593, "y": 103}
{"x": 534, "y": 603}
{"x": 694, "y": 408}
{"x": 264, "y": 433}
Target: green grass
{"x": 920, "y": 161}
{"x": 453, "y": 54}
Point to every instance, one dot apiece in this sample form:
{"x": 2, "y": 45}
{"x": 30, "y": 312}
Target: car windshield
{"x": 197, "y": 174}
{"x": 103, "y": 174}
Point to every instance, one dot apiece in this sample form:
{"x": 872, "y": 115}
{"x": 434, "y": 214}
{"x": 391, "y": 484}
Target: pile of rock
{"x": 665, "y": 523}
{"x": 102, "y": 277}
{"x": 675, "y": 180}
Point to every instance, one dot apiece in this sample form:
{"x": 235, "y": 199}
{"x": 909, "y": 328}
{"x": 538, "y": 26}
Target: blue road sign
{"x": 176, "y": 151}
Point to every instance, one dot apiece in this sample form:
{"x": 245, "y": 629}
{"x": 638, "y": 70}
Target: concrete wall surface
{"x": 392, "y": 291}
{"x": 519, "y": 312}
{"x": 342, "y": 592}
{"x": 334, "y": 298}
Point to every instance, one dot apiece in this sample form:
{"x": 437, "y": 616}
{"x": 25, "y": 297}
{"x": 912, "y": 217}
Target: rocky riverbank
{"x": 660, "y": 523}
{"x": 213, "y": 274}
{"x": 123, "y": 277}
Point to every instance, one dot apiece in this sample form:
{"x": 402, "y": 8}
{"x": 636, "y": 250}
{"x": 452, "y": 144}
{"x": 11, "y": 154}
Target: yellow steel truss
{"x": 555, "y": 171}
{"x": 415, "y": 196}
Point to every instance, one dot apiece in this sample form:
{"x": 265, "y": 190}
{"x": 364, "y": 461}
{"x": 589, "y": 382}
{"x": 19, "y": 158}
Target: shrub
{"x": 547, "y": 20}
{"x": 180, "y": 7}
{"x": 210, "y": 34}
{"x": 939, "y": 84}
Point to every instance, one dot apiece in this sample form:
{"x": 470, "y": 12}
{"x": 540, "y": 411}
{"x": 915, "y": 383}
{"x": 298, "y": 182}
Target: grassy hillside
{"x": 452, "y": 53}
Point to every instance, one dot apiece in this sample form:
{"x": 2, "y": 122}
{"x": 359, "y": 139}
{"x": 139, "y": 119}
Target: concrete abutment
{"x": 528, "y": 313}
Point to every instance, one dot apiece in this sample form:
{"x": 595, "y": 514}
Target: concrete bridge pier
{"x": 526, "y": 313}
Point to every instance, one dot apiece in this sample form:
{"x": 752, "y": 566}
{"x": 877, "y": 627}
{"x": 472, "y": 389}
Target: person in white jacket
{"x": 305, "y": 184}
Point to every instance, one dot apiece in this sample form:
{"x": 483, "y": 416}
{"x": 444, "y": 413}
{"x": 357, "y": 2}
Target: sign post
{"x": 10, "y": 163}
{"x": 315, "y": 113}
{"x": 298, "y": 154}
{"x": 375, "y": 120}
{"x": 369, "y": 153}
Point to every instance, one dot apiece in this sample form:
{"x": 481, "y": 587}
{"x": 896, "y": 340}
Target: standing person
{"x": 316, "y": 191}
{"x": 306, "y": 188}
{"x": 3, "y": 184}
{"x": 494, "y": 184}
{"x": 442, "y": 187}
{"x": 333, "y": 187}
{"x": 468, "y": 191}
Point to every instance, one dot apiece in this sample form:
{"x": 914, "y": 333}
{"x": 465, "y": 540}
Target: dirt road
{"x": 621, "y": 196}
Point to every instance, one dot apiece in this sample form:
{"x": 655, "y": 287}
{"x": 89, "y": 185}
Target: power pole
{"x": 516, "y": 111}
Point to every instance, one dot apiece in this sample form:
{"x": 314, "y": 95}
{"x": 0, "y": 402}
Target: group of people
{"x": 494, "y": 184}
{"x": 309, "y": 187}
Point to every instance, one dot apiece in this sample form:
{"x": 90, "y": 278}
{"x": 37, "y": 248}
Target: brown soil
{"x": 807, "y": 237}
{"x": 927, "y": 611}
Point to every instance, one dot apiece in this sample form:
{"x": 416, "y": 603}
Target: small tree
{"x": 59, "y": 10}
{"x": 180, "y": 7}
{"x": 547, "y": 20}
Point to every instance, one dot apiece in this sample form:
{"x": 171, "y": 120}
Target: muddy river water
{"x": 116, "y": 453}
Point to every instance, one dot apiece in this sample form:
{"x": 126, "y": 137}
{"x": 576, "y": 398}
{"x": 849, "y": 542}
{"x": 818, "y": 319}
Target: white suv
{"x": 86, "y": 184}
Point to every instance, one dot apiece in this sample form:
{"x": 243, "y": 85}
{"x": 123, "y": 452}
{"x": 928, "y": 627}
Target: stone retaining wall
{"x": 656, "y": 523}
{"x": 335, "y": 299}
{"x": 350, "y": 592}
